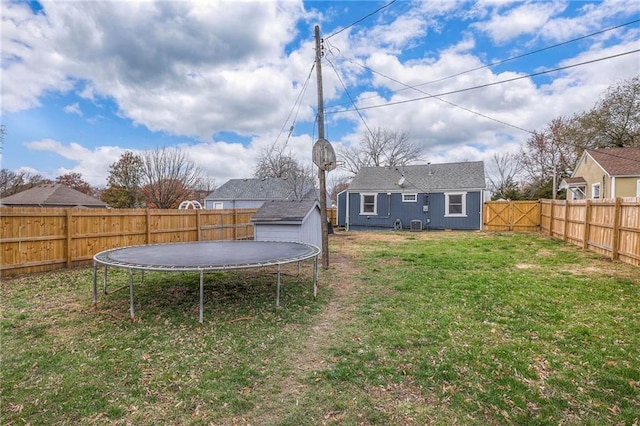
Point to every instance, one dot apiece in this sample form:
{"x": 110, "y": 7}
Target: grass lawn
{"x": 408, "y": 328}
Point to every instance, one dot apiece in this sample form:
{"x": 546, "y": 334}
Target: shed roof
{"x": 52, "y": 195}
{"x": 618, "y": 161}
{"x": 423, "y": 177}
{"x": 285, "y": 211}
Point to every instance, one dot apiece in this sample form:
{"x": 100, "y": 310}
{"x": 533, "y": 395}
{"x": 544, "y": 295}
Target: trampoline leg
{"x": 95, "y": 283}
{"x": 278, "y": 289}
{"x": 315, "y": 277}
{"x": 104, "y": 280}
{"x": 201, "y": 297}
{"x": 131, "y": 293}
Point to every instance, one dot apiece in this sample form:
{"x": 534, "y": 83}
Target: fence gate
{"x": 511, "y": 216}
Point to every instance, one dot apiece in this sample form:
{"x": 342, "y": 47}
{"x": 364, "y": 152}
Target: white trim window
{"x": 455, "y": 204}
{"x": 218, "y": 205}
{"x": 369, "y": 204}
{"x": 409, "y": 198}
{"x": 595, "y": 191}
{"x": 638, "y": 188}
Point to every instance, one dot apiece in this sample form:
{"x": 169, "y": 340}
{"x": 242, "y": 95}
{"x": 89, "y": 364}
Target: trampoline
{"x": 204, "y": 256}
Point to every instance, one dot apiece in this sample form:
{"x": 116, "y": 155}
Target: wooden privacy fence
{"x": 511, "y": 216}
{"x": 610, "y": 227}
{"x": 41, "y": 239}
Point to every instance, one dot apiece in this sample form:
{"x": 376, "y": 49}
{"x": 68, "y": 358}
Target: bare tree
{"x": 381, "y": 147}
{"x": 503, "y": 172}
{"x": 276, "y": 162}
{"x": 548, "y": 154}
{"x": 12, "y": 182}
{"x": 168, "y": 177}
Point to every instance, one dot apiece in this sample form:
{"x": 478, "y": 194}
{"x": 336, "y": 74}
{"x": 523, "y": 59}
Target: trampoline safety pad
{"x": 204, "y": 256}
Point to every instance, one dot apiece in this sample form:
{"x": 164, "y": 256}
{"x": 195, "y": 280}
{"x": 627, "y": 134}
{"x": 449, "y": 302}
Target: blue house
{"x": 429, "y": 196}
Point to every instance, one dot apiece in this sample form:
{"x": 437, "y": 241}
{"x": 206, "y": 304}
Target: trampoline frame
{"x": 102, "y": 258}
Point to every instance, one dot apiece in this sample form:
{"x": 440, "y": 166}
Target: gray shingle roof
{"x": 252, "y": 189}
{"x": 52, "y": 195}
{"x": 618, "y": 161}
{"x": 284, "y": 211}
{"x": 422, "y": 178}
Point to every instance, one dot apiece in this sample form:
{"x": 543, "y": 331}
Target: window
{"x": 368, "y": 204}
{"x": 218, "y": 205}
{"x": 595, "y": 191}
{"x": 638, "y": 188}
{"x": 409, "y": 198}
{"x": 456, "y": 204}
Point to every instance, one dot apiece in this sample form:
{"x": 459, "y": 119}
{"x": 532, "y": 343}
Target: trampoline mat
{"x": 208, "y": 255}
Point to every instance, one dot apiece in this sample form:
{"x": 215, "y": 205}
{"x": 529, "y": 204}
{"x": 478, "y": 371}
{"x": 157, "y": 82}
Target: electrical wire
{"x": 360, "y": 20}
{"x": 502, "y": 61}
{"x": 443, "y": 100}
{"x": 512, "y": 58}
{"x": 297, "y": 102}
{"x": 349, "y": 95}
{"x": 482, "y": 86}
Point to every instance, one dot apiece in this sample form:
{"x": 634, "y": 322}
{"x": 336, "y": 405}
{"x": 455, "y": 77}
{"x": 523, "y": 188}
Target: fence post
{"x": 587, "y": 214}
{"x": 198, "y": 231}
{"x": 551, "y": 218}
{"x": 148, "y": 216}
{"x": 566, "y": 220}
{"x": 69, "y": 215}
{"x": 235, "y": 224}
{"x": 615, "y": 236}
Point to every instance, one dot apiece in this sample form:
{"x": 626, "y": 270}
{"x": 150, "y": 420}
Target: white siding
{"x": 308, "y": 232}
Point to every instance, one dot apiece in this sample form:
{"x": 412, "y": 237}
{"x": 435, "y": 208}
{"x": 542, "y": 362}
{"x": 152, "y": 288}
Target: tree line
{"x": 159, "y": 178}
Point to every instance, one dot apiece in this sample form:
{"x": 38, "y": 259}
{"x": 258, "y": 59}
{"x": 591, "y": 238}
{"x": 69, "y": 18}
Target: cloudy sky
{"x": 85, "y": 81}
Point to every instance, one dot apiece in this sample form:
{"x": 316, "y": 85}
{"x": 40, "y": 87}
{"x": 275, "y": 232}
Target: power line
{"x": 297, "y": 102}
{"x": 361, "y": 19}
{"x": 502, "y": 61}
{"x": 443, "y": 100}
{"x": 509, "y": 80}
{"x": 349, "y": 95}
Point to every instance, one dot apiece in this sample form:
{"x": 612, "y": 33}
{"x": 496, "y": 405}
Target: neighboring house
{"x": 52, "y": 195}
{"x": 252, "y": 193}
{"x": 431, "y": 196}
{"x": 295, "y": 220}
{"x": 605, "y": 173}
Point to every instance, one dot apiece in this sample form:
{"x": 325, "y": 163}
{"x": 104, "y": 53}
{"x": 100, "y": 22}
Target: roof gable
{"x": 421, "y": 178}
{"x": 52, "y": 195}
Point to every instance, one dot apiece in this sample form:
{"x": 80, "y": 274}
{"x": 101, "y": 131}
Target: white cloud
{"x": 525, "y": 18}
{"x": 73, "y": 108}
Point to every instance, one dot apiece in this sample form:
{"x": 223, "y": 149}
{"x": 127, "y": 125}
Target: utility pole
{"x": 321, "y": 170}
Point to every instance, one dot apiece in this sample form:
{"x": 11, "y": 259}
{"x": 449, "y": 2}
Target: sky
{"x": 85, "y": 81}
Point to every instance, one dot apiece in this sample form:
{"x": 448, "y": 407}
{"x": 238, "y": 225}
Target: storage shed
{"x": 295, "y": 220}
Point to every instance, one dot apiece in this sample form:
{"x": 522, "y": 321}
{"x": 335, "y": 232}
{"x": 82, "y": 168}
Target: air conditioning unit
{"x": 416, "y": 225}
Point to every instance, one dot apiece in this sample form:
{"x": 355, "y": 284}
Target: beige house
{"x": 605, "y": 173}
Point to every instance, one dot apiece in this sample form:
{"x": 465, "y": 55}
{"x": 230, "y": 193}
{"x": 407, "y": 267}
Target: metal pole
{"x": 104, "y": 280}
{"x": 321, "y": 171}
{"x": 201, "y": 296}
{"x": 95, "y": 282}
{"x": 131, "y": 293}
{"x": 278, "y": 289}
{"x": 315, "y": 277}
